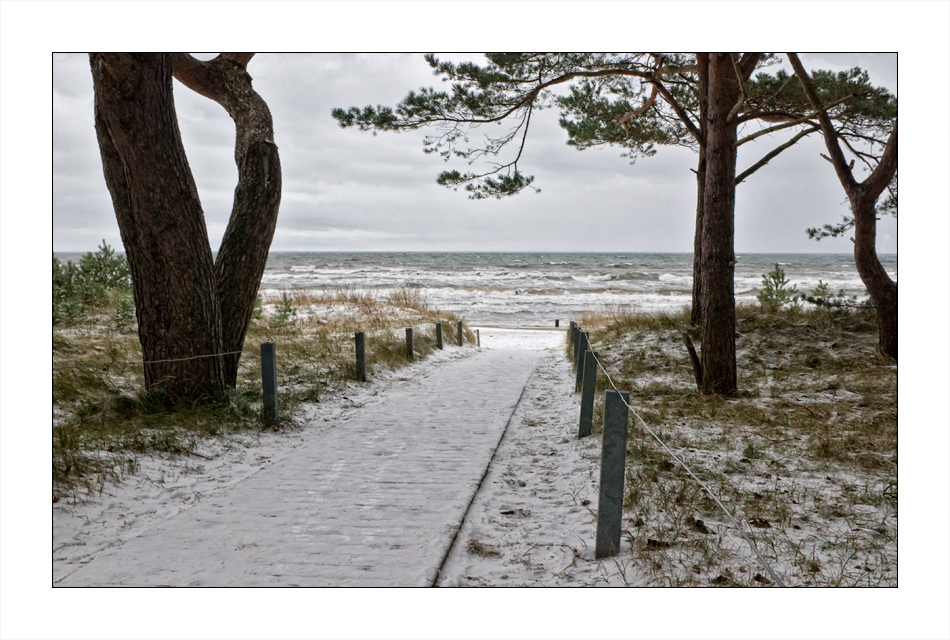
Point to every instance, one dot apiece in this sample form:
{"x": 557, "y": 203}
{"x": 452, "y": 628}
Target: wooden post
{"x": 409, "y": 354}
{"x": 438, "y": 334}
{"x": 460, "y": 333}
{"x": 583, "y": 343}
{"x": 478, "y": 337}
{"x": 587, "y": 395}
{"x": 612, "y": 460}
{"x": 269, "y": 381}
{"x": 577, "y": 331}
{"x": 361, "y": 356}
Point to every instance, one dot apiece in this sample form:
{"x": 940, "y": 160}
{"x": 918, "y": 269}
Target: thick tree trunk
{"x": 718, "y": 307}
{"x": 161, "y": 223}
{"x": 244, "y": 249}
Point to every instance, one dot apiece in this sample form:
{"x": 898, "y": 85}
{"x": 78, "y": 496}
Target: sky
{"x": 346, "y": 190}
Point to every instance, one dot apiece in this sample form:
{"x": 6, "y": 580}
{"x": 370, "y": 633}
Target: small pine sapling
{"x": 775, "y": 292}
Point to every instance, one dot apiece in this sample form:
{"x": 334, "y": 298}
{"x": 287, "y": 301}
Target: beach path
{"x": 375, "y": 501}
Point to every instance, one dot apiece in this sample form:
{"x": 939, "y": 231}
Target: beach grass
{"x": 104, "y": 420}
{"x": 805, "y": 457}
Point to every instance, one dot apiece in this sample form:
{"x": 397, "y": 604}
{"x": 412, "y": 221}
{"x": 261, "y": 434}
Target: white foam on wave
{"x": 593, "y": 278}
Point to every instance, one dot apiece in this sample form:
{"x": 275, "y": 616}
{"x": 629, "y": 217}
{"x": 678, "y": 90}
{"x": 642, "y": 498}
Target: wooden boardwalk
{"x": 376, "y": 501}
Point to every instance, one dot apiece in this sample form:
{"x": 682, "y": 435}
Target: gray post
{"x": 587, "y": 395}
{"x": 574, "y": 339}
{"x": 583, "y": 344}
{"x": 478, "y": 337}
{"x": 409, "y": 355}
{"x": 460, "y": 333}
{"x": 269, "y": 380}
{"x": 361, "y": 356}
{"x": 438, "y": 334}
{"x": 612, "y": 459}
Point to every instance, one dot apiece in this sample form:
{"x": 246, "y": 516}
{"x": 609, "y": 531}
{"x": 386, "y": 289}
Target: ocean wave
{"x": 593, "y": 278}
{"x": 525, "y": 287}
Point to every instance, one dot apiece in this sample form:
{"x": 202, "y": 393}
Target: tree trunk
{"x": 696, "y": 314}
{"x": 702, "y": 67}
{"x": 246, "y": 243}
{"x": 717, "y": 302}
{"x": 161, "y": 223}
{"x": 882, "y": 289}
{"x": 863, "y": 198}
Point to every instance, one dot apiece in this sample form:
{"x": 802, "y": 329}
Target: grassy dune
{"x": 805, "y": 457}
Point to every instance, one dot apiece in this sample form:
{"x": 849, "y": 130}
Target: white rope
{"x": 701, "y": 483}
{"x": 213, "y": 355}
{"x": 135, "y": 364}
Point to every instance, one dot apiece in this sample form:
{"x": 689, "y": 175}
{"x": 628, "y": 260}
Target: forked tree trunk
{"x": 161, "y": 223}
{"x": 191, "y": 309}
{"x": 244, "y": 249}
{"x": 717, "y": 302}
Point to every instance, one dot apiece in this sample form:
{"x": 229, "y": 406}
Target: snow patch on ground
{"x": 533, "y": 522}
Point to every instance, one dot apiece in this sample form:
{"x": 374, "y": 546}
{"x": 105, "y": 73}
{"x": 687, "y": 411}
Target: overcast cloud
{"x": 353, "y": 191}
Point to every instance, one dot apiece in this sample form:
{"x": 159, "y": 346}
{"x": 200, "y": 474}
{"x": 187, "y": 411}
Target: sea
{"x": 535, "y": 289}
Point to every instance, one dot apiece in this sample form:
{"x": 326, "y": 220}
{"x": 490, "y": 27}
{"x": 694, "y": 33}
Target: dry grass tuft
{"x": 478, "y": 548}
{"x": 409, "y": 298}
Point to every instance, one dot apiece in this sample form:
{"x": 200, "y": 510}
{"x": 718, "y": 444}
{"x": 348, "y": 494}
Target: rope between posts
{"x": 692, "y": 475}
{"x": 212, "y": 355}
{"x": 135, "y": 364}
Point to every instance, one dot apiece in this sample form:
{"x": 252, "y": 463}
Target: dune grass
{"x": 805, "y": 457}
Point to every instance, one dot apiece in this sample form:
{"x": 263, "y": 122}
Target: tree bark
{"x": 882, "y": 289}
{"x": 696, "y": 314}
{"x": 246, "y": 243}
{"x": 863, "y": 198}
{"x": 717, "y": 302}
{"x": 702, "y": 71}
{"x": 161, "y": 224}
